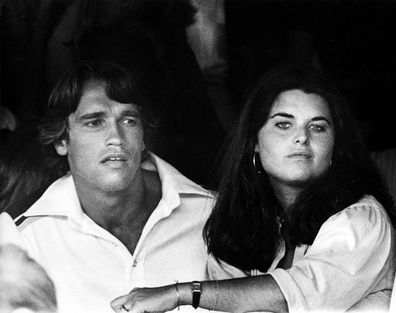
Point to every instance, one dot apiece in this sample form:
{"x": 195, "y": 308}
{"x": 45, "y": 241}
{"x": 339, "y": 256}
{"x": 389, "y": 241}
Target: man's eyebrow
{"x": 134, "y": 113}
{"x": 91, "y": 115}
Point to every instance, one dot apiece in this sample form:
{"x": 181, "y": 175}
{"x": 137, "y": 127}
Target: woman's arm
{"x": 259, "y": 293}
{"x": 351, "y": 257}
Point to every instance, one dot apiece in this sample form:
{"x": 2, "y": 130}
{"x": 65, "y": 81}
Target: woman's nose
{"x": 301, "y": 137}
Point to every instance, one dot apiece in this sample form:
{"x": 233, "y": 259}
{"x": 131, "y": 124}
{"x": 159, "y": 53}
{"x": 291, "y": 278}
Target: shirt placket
{"x": 127, "y": 259}
{"x": 137, "y": 277}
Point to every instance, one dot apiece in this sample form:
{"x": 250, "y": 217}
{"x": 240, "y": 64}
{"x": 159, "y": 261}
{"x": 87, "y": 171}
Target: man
{"x": 121, "y": 217}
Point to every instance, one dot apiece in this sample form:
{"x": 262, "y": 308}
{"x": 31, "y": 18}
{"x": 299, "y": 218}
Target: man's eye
{"x": 130, "y": 122}
{"x": 283, "y": 125}
{"x": 93, "y": 123}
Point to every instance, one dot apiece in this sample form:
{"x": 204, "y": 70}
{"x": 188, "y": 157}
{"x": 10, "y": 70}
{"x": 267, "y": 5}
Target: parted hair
{"x": 120, "y": 85}
{"x": 243, "y": 229}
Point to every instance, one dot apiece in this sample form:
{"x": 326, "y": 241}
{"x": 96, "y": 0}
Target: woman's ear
{"x": 61, "y": 147}
{"x": 256, "y": 148}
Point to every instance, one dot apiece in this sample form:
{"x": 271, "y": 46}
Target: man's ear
{"x": 61, "y": 147}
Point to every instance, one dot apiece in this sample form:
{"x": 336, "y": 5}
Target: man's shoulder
{"x": 55, "y": 201}
{"x": 171, "y": 178}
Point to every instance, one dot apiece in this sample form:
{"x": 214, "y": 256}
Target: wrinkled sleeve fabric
{"x": 348, "y": 259}
{"x": 218, "y": 269}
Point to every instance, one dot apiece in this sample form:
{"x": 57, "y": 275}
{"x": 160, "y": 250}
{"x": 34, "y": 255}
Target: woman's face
{"x": 296, "y": 142}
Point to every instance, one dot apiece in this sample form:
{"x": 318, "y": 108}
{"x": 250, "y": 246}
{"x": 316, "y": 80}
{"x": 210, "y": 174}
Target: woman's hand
{"x": 141, "y": 300}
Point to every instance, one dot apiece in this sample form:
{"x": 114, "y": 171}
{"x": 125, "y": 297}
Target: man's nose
{"x": 115, "y": 134}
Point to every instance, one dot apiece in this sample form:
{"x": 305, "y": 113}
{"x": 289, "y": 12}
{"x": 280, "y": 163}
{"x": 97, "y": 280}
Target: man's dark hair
{"x": 120, "y": 85}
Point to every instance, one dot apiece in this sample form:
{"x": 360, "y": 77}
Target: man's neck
{"x": 113, "y": 210}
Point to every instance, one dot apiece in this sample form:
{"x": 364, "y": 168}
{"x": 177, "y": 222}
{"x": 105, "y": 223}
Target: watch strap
{"x": 196, "y": 290}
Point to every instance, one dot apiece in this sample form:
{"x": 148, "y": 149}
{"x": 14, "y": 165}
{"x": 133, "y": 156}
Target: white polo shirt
{"x": 90, "y": 266}
{"x": 350, "y": 264}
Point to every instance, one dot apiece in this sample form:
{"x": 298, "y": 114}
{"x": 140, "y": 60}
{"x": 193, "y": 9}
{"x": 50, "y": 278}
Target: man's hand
{"x": 150, "y": 300}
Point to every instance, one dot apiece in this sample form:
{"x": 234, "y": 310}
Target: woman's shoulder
{"x": 362, "y": 228}
{"x": 364, "y": 215}
{"x": 367, "y": 201}
{"x": 365, "y": 205}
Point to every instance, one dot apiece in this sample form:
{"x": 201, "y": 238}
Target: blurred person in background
{"x": 25, "y": 287}
{"x": 25, "y": 170}
{"x": 8, "y": 123}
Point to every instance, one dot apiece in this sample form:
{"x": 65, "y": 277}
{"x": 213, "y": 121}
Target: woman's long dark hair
{"x": 243, "y": 229}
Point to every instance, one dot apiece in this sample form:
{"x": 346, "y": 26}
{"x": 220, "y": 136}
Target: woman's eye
{"x": 283, "y": 125}
{"x": 317, "y": 128}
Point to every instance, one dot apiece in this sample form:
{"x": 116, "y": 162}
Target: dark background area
{"x": 350, "y": 40}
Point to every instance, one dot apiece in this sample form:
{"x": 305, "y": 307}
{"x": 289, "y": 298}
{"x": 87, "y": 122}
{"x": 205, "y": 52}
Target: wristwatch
{"x": 196, "y": 290}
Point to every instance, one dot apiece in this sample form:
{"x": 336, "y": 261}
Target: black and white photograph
{"x": 197, "y": 156}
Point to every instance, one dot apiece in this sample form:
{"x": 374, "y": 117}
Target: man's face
{"x": 105, "y": 141}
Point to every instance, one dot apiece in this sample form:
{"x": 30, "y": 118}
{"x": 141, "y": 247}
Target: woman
{"x": 301, "y": 210}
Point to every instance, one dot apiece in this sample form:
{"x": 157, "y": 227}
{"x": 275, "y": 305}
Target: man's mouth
{"x": 114, "y": 159}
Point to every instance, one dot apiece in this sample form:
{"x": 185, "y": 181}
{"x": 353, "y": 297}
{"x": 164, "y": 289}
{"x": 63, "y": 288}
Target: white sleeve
{"x": 9, "y": 233}
{"x": 218, "y": 269}
{"x": 351, "y": 254}
{"x": 393, "y": 299}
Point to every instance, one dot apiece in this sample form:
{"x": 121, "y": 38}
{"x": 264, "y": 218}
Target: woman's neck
{"x": 285, "y": 194}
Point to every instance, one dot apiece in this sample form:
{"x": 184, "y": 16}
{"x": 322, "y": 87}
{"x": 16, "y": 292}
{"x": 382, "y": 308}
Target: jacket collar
{"x": 61, "y": 197}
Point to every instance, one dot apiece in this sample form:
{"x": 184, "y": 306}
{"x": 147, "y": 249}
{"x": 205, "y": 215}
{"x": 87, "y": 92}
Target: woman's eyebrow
{"x": 320, "y": 118}
{"x": 287, "y": 115}
{"x": 282, "y": 114}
